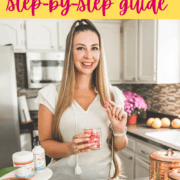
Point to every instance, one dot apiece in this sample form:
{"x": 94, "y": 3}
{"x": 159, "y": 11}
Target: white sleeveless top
{"x": 94, "y": 164}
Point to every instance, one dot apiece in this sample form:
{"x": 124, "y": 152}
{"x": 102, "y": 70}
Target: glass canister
{"x": 95, "y": 137}
{"x": 174, "y": 174}
{"x": 162, "y": 163}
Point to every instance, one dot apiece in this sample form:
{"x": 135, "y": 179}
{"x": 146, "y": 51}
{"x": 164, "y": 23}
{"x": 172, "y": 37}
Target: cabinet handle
{"x": 61, "y": 48}
{"x": 130, "y": 157}
{"x": 144, "y": 152}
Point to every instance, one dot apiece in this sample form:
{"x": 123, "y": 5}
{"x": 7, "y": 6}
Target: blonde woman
{"x": 80, "y": 101}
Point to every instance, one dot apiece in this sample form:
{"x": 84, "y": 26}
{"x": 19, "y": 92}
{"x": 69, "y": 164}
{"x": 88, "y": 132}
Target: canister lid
{"x": 22, "y": 156}
{"x": 175, "y": 174}
{"x": 166, "y": 156}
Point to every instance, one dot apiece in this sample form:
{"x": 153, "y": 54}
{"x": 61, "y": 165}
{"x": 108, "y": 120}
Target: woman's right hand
{"x": 81, "y": 143}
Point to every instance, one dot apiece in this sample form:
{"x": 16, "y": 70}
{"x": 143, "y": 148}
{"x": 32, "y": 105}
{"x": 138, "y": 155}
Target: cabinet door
{"x": 110, "y": 33}
{"x": 127, "y": 160}
{"x": 12, "y": 32}
{"x": 130, "y": 50}
{"x": 141, "y": 168}
{"x": 41, "y": 34}
{"x": 147, "y": 50}
{"x": 64, "y": 27}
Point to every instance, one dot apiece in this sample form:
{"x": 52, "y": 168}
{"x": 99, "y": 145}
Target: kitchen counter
{"x": 139, "y": 130}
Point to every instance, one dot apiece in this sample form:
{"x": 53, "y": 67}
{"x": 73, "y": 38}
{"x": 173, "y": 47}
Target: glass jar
{"x": 95, "y": 137}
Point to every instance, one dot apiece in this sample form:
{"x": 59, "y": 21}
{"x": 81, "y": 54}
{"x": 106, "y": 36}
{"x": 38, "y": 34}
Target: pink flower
{"x": 134, "y": 102}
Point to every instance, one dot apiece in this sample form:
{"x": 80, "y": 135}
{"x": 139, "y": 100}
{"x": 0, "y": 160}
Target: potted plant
{"x": 134, "y": 104}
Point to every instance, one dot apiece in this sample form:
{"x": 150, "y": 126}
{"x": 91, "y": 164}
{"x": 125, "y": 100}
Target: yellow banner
{"x": 90, "y": 9}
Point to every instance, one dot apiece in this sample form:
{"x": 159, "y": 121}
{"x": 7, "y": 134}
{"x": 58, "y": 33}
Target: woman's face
{"x": 86, "y": 52}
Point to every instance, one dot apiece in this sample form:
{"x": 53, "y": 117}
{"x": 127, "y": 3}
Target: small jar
{"x": 24, "y": 160}
{"x": 95, "y": 137}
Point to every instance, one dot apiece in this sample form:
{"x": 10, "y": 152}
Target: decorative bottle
{"x": 39, "y": 156}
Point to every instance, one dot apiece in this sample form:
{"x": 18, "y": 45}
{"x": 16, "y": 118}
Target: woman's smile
{"x": 87, "y": 64}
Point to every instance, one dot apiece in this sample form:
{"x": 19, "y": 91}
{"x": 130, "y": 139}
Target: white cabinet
{"x": 150, "y": 51}
{"x": 130, "y": 50}
{"x": 168, "y": 56}
{"x": 135, "y": 158}
{"x": 12, "y": 32}
{"x": 64, "y": 27}
{"x": 41, "y": 34}
{"x": 147, "y": 50}
{"x": 142, "y": 162}
{"x": 141, "y": 168}
{"x": 110, "y": 33}
{"x": 139, "y": 51}
{"x": 127, "y": 161}
{"x": 127, "y": 157}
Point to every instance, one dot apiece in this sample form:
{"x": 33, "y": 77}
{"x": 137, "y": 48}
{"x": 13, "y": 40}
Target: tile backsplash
{"x": 162, "y": 98}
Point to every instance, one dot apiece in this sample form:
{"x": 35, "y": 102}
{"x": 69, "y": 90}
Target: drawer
{"x": 144, "y": 150}
{"x": 131, "y": 144}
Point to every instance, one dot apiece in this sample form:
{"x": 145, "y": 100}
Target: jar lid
{"x": 175, "y": 174}
{"x": 22, "y": 156}
{"x": 166, "y": 156}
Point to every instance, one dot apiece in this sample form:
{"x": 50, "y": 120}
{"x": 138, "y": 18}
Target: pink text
{"x": 103, "y": 5}
{"x": 139, "y": 5}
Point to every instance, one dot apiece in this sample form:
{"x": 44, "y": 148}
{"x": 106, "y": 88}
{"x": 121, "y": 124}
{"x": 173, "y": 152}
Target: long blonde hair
{"x": 99, "y": 79}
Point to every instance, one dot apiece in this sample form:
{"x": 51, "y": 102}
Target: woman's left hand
{"x": 117, "y": 117}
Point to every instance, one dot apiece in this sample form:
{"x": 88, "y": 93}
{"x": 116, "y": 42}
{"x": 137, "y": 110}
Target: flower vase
{"x": 132, "y": 119}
